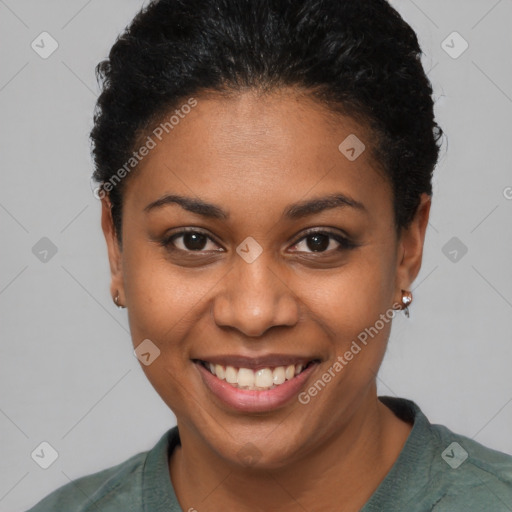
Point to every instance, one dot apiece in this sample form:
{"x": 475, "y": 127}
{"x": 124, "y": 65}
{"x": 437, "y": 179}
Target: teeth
{"x": 220, "y": 372}
{"x": 279, "y": 375}
{"x": 264, "y": 378}
{"x": 246, "y": 378}
{"x": 231, "y": 375}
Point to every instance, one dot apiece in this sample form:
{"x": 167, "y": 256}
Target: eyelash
{"x": 345, "y": 243}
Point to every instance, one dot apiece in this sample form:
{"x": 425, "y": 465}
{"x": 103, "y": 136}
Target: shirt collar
{"x": 158, "y": 493}
{"x": 396, "y": 488}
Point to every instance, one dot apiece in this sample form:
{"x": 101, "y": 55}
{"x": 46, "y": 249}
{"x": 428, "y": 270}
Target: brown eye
{"x": 318, "y": 242}
{"x": 322, "y": 241}
{"x": 189, "y": 241}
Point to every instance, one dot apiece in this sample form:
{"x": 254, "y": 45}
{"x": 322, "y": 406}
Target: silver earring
{"x": 406, "y": 301}
{"x": 116, "y": 301}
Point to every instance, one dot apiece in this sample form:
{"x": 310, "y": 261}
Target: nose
{"x": 255, "y": 297}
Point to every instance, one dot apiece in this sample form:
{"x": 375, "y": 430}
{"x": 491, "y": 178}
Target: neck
{"x": 347, "y": 467}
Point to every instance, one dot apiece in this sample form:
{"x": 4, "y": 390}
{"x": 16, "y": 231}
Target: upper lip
{"x": 254, "y": 363}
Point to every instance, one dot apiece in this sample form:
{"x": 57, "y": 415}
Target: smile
{"x": 256, "y": 380}
{"x": 255, "y": 385}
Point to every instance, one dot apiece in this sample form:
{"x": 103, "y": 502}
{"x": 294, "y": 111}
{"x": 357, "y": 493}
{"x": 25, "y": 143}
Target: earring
{"x": 116, "y": 301}
{"x": 406, "y": 301}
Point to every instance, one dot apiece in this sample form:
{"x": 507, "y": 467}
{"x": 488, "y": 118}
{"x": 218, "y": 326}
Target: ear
{"x": 114, "y": 250}
{"x": 410, "y": 247}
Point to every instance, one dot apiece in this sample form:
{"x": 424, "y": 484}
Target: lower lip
{"x": 252, "y": 400}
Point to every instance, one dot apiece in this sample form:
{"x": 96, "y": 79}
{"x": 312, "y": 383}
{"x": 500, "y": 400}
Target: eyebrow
{"x": 292, "y": 212}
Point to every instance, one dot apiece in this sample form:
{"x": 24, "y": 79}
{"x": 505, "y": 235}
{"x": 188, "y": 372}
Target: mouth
{"x": 255, "y": 385}
{"x": 261, "y": 379}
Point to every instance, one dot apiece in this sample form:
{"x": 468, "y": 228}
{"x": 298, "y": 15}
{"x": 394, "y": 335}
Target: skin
{"x": 253, "y": 155}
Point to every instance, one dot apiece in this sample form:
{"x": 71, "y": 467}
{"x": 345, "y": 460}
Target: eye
{"x": 323, "y": 241}
{"x": 317, "y": 241}
{"x": 189, "y": 240}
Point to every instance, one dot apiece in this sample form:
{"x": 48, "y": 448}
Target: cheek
{"x": 370, "y": 316}
{"x": 165, "y": 302}
{"x": 353, "y": 296}
{"x": 355, "y": 306}
{"x": 164, "y": 306}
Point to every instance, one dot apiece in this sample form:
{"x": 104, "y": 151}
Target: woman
{"x": 265, "y": 171}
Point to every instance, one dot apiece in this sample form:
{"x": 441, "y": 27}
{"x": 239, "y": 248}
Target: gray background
{"x": 67, "y": 372}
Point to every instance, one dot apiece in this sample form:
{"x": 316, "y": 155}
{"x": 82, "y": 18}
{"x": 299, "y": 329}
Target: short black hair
{"x": 355, "y": 56}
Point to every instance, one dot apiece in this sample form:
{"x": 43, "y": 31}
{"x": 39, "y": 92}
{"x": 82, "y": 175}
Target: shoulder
{"x": 116, "y": 488}
{"x": 442, "y": 471}
{"x": 471, "y": 472}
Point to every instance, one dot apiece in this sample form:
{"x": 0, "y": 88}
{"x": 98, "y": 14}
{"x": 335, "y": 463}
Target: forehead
{"x": 251, "y": 151}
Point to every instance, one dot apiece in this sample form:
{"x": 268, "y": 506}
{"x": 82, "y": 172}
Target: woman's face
{"x": 251, "y": 285}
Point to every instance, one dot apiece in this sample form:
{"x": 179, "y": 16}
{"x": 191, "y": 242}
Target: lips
{"x": 255, "y": 384}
